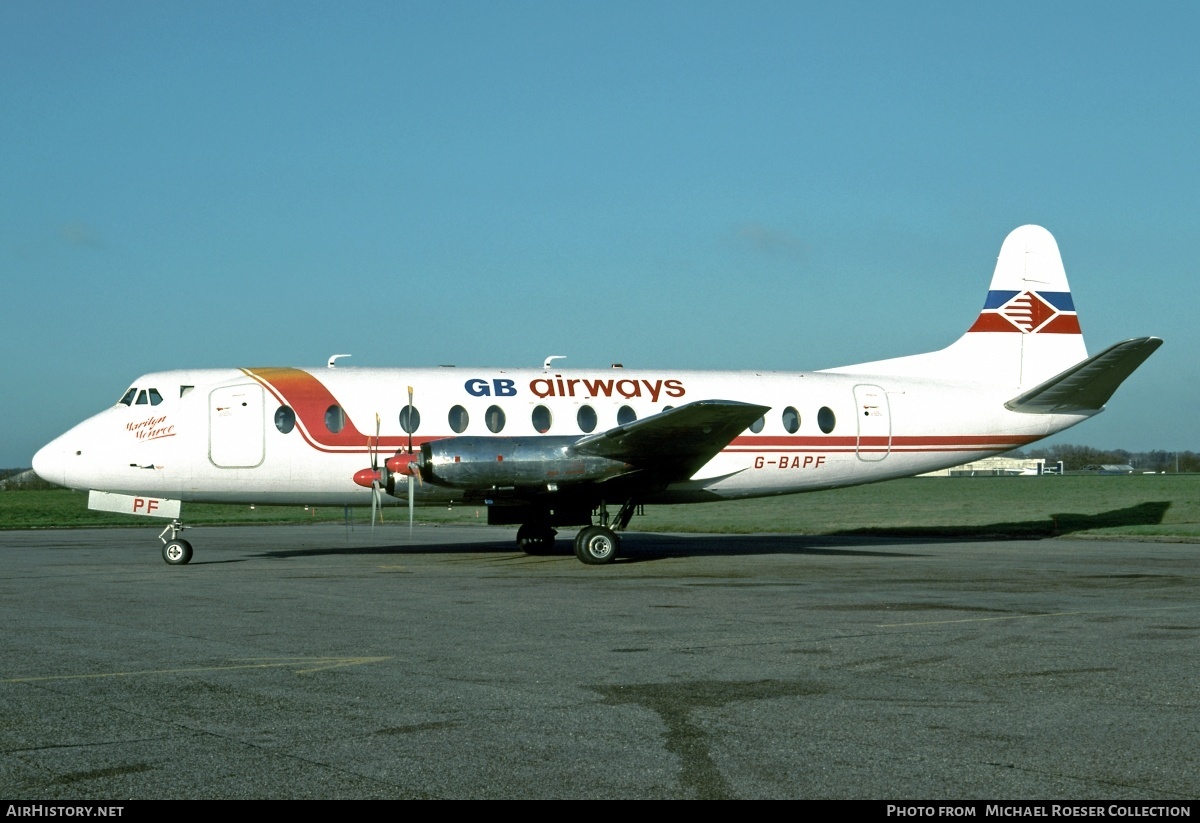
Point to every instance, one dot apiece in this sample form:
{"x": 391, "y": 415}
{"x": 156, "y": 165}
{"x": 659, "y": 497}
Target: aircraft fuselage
{"x": 288, "y": 436}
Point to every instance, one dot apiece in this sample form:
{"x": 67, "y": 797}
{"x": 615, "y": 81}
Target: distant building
{"x": 1000, "y": 467}
{"x": 19, "y": 480}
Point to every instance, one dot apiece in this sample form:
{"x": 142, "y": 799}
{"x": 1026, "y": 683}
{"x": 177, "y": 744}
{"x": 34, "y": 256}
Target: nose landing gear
{"x": 176, "y": 551}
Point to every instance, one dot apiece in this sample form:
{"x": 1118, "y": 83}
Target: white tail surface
{"x": 1026, "y": 333}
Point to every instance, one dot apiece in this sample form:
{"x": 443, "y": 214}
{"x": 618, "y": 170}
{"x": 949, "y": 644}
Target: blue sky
{"x": 692, "y": 185}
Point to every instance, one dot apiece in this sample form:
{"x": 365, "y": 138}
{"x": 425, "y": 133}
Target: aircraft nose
{"x": 49, "y": 463}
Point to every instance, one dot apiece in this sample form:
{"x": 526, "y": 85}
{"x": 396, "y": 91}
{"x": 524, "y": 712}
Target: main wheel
{"x": 177, "y": 552}
{"x": 535, "y": 538}
{"x": 597, "y": 545}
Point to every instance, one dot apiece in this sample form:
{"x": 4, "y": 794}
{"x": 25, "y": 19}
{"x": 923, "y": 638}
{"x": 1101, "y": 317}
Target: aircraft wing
{"x": 1087, "y": 386}
{"x": 675, "y": 443}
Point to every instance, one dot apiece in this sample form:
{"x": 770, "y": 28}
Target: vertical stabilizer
{"x": 1027, "y": 332}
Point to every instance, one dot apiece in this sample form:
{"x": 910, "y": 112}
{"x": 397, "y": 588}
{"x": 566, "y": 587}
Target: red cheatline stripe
{"x": 750, "y": 441}
{"x": 309, "y": 398}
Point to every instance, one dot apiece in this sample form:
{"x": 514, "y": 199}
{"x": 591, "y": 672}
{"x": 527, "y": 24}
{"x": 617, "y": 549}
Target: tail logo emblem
{"x": 1028, "y": 312}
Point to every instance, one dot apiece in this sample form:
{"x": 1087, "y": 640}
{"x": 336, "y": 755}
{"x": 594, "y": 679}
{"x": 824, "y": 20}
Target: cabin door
{"x": 236, "y": 438}
{"x": 874, "y": 423}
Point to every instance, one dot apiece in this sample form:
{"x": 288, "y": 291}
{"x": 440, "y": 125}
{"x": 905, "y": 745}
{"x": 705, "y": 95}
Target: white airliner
{"x": 551, "y": 447}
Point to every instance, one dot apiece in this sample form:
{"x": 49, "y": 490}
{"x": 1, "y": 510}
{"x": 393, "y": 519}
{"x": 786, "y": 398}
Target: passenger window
{"x": 335, "y": 419}
{"x": 825, "y": 419}
{"x": 141, "y": 401}
{"x": 127, "y": 400}
{"x": 541, "y": 419}
{"x": 458, "y": 419}
{"x": 155, "y": 397}
{"x": 758, "y": 424}
{"x": 285, "y": 419}
{"x": 791, "y": 420}
{"x": 410, "y": 419}
{"x": 625, "y": 415}
{"x": 586, "y": 418}
{"x": 494, "y": 417}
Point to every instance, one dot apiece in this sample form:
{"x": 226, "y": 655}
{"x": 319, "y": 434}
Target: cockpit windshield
{"x": 141, "y": 397}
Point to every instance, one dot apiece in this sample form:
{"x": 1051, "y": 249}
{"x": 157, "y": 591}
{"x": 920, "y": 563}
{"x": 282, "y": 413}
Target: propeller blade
{"x": 410, "y": 427}
{"x": 374, "y": 502}
{"x": 375, "y": 447}
{"x": 411, "y": 501}
{"x": 408, "y": 468}
{"x": 411, "y": 506}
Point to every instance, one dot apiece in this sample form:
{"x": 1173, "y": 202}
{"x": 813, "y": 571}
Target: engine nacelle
{"x": 474, "y": 462}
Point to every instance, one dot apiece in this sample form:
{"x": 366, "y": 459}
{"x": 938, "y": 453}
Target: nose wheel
{"x": 176, "y": 551}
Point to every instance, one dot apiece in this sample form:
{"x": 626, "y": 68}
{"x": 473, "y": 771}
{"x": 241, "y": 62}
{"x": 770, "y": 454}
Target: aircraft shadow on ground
{"x": 638, "y": 547}
{"x": 866, "y": 542}
{"x": 1143, "y": 514}
{"x": 648, "y": 546}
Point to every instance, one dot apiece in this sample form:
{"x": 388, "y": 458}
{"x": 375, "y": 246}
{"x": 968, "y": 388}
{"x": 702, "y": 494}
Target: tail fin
{"x": 1026, "y": 333}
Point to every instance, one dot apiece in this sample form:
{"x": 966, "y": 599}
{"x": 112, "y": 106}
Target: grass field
{"x": 1163, "y": 507}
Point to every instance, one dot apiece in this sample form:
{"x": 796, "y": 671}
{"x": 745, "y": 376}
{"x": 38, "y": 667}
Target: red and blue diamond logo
{"x": 1028, "y": 312}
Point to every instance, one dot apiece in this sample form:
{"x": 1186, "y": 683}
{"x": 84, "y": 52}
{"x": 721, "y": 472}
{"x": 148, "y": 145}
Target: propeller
{"x": 401, "y": 463}
{"x": 406, "y": 463}
{"x": 411, "y": 503}
{"x": 376, "y": 493}
{"x": 372, "y": 478}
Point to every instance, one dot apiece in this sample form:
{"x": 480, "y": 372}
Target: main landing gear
{"x": 595, "y": 545}
{"x": 176, "y": 551}
{"x": 536, "y": 538}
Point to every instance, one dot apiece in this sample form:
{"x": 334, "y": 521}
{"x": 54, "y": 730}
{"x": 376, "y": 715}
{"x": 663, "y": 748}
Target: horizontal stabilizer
{"x": 678, "y": 442}
{"x": 1086, "y": 386}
